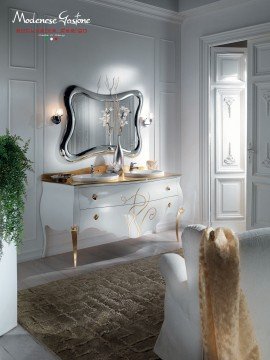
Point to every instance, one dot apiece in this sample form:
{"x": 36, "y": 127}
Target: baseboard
{"x": 30, "y": 250}
{"x": 29, "y": 255}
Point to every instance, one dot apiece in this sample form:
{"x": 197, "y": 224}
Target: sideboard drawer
{"x": 130, "y": 220}
{"x": 127, "y": 194}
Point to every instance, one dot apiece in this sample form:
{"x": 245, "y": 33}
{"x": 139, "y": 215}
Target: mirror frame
{"x": 70, "y": 92}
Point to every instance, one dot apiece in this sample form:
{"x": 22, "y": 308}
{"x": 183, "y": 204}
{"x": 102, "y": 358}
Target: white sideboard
{"x": 123, "y": 208}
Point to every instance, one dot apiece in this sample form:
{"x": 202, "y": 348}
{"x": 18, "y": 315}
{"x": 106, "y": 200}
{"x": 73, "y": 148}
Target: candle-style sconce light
{"x": 56, "y": 118}
{"x": 146, "y": 121}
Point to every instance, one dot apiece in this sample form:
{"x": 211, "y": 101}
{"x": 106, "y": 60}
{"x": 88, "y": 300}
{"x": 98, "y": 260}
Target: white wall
{"x": 142, "y": 50}
{"x": 234, "y": 17}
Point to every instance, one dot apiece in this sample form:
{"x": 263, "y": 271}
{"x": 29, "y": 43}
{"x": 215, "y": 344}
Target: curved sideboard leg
{"x": 44, "y": 241}
{"x": 179, "y": 213}
{"x": 74, "y": 234}
{"x": 43, "y": 221}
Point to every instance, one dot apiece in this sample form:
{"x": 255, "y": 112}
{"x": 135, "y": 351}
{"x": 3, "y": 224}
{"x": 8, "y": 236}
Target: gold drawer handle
{"x": 94, "y": 196}
{"x": 168, "y": 188}
{"x": 169, "y": 205}
{"x": 96, "y": 216}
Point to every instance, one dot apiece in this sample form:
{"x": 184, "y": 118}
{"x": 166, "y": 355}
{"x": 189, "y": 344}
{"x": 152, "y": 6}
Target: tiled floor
{"x": 18, "y": 344}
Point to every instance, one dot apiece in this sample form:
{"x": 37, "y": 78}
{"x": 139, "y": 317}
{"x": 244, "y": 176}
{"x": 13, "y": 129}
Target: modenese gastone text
{"x": 62, "y": 18}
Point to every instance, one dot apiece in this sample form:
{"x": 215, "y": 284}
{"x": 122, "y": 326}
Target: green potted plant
{"x": 13, "y": 179}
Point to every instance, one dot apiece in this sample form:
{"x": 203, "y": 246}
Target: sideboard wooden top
{"x": 66, "y": 177}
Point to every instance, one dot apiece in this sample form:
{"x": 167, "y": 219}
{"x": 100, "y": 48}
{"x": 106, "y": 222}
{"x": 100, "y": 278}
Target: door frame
{"x": 206, "y": 42}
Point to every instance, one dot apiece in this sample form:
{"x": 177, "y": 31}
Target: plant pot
{"x": 8, "y": 288}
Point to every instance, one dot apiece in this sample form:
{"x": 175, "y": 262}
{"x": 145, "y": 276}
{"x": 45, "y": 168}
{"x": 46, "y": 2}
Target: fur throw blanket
{"x": 226, "y": 325}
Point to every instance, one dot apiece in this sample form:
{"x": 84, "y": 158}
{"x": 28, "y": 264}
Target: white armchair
{"x": 180, "y": 335}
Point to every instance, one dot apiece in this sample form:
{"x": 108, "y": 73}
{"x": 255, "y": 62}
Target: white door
{"x": 258, "y": 134}
{"x": 228, "y": 137}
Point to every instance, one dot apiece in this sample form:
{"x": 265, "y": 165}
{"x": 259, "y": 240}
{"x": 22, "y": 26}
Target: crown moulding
{"x": 141, "y": 9}
{"x": 155, "y": 12}
{"x": 217, "y": 5}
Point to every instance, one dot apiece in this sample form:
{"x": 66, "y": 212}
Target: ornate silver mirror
{"x": 91, "y": 127}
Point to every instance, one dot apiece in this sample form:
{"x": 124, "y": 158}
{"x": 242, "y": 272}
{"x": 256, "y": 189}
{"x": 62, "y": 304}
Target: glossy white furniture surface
{"x": 123, "y": 208}
{"x": 8, "y": 288}
{"x": 144, "y": 174}
{"x": 90, "y": 178}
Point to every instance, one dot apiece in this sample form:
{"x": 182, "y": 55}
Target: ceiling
{"x": 191, "y": 4}
{"x": 177, "y": 5}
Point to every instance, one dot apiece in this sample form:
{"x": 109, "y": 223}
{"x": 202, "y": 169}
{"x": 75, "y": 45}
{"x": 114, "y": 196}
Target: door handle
{"x": 250, "y": 150}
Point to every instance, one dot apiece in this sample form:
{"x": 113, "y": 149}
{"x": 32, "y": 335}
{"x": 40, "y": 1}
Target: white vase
{"x": 8, "y": 288}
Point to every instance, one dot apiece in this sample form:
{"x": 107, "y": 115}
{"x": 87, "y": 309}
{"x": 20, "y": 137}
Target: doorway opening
{"x": 257, "y": 151}
{"x": 228, "y": 133}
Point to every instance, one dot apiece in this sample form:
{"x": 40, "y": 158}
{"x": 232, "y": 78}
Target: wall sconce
{"x": 56, "y": 118}
{"x": 146, "y": 121}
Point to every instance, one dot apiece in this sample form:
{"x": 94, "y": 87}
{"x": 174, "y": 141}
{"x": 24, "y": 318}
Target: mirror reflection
{"x": 94, "y": 122}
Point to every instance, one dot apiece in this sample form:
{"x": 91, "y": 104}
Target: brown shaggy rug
{"x": 111, "y": 314}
